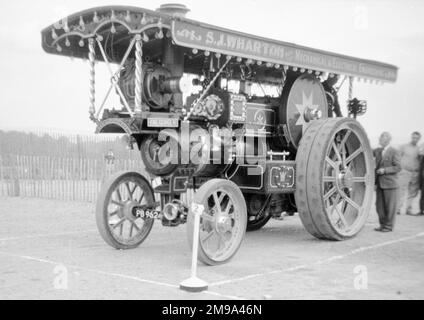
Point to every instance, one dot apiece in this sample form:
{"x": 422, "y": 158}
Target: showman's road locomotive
{"x": 246, "y": 126}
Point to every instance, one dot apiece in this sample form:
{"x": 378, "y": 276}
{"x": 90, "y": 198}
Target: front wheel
{"x": 335, "y": 178}
{"x": 222, "y": 224}
{"x": 115, "y": 211}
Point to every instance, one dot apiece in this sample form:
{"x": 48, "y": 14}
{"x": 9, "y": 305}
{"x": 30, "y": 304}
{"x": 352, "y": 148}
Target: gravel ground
{"x": 51, "y": 250}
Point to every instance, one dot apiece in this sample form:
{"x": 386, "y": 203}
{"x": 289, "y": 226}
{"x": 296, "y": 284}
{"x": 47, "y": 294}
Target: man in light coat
{"x": 387, "y": 185}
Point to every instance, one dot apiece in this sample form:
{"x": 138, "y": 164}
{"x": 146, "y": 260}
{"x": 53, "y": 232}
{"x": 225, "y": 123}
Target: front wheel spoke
{"x": 229, "y": 228}
{"x": 141, "y": 197}
{"x": 353, "y": 156}
{"x": 118, "y": 193}
{"x": 208, "y": 236}
{"x": 131, "y": 229}
{"x": 217, "y": 202}
{"x": 118, "y": 203}
{"x": 133, "y": 190}
{"x": 127, "y": 185}
{"x": 228, "y": 208}
{"x": 207, "y": 218}
{"x": 119, "y": 223}
{"x": 221, "y": 241}
{"x": 135, "y": 226}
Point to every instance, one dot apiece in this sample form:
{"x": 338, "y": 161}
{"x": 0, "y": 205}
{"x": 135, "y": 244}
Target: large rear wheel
{"x": 222, "y": 224}
{"x": 335, "y": 178}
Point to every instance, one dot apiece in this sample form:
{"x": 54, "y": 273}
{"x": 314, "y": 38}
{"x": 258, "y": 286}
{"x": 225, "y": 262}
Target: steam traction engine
{"x": 239, "y": 124}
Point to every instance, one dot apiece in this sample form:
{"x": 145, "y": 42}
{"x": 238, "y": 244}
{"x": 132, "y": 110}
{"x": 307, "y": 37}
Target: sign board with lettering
{"x": 199, "y": 36}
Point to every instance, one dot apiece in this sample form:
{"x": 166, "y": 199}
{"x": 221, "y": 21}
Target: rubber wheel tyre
{"x": 224, "y": 224}
{"x": 335, "y": 178}
{"x": 117, "y": 200}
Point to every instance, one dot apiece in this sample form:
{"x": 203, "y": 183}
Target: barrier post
{"x": 194, "y": 284}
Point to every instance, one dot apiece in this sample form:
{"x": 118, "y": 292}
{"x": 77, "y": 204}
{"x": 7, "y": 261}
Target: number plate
{"x": 148, "y": 214}
{"x": 162, "y": 123}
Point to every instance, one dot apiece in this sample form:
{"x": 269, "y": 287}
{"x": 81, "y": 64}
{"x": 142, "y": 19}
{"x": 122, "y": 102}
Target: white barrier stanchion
{"x": 194, "y": 284}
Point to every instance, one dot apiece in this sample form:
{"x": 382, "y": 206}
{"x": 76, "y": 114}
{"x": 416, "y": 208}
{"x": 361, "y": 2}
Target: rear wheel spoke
{"x": 351, "y": 202}
{"x": 341, "y": 215}
{"x": 345, "y": 138}
{"x": 360, "y": 179}
{"x": 331, "y": 162}
{"x": 353, "y": 156}
{"x": 329, "y": 179}
{"x": 343, "y": 145}
{"x": 330, "y": 193}
{"x": 336, "y": 151}
{"x": 335, "y": 203}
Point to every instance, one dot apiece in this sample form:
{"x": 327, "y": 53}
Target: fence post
{"x": 15, "y": 174}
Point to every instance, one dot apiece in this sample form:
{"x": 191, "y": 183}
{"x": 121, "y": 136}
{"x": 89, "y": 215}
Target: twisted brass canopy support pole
{"x": 92, "y": 80}
{"x": 138, "y": 74}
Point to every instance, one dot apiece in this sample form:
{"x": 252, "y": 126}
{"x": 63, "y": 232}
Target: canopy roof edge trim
{"x": 58, "y": 39}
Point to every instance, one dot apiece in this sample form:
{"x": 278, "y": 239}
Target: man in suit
{"x": 387, "y": 168}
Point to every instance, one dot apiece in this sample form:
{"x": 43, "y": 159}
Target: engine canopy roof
{"x": 69, "y": 36}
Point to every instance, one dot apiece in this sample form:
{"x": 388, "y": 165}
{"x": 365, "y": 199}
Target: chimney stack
{"x": 174, "y": 9}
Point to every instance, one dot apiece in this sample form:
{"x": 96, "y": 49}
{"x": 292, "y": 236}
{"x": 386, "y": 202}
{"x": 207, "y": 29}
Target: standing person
{"x": 422, "y": 181}
{"x": 410, "y": 174}
{"x": 332, "y": 96}
{"x": 387, "y": 167}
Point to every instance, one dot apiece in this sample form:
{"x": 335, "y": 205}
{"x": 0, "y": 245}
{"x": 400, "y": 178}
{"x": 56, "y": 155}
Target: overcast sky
{"x": 44, "y": 91}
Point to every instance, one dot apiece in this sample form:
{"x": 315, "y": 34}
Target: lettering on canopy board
{"x": 198, "y": 37}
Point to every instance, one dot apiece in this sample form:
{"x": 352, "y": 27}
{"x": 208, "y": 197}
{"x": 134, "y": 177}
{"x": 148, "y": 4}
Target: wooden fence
{"x": 51, "y": 177}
